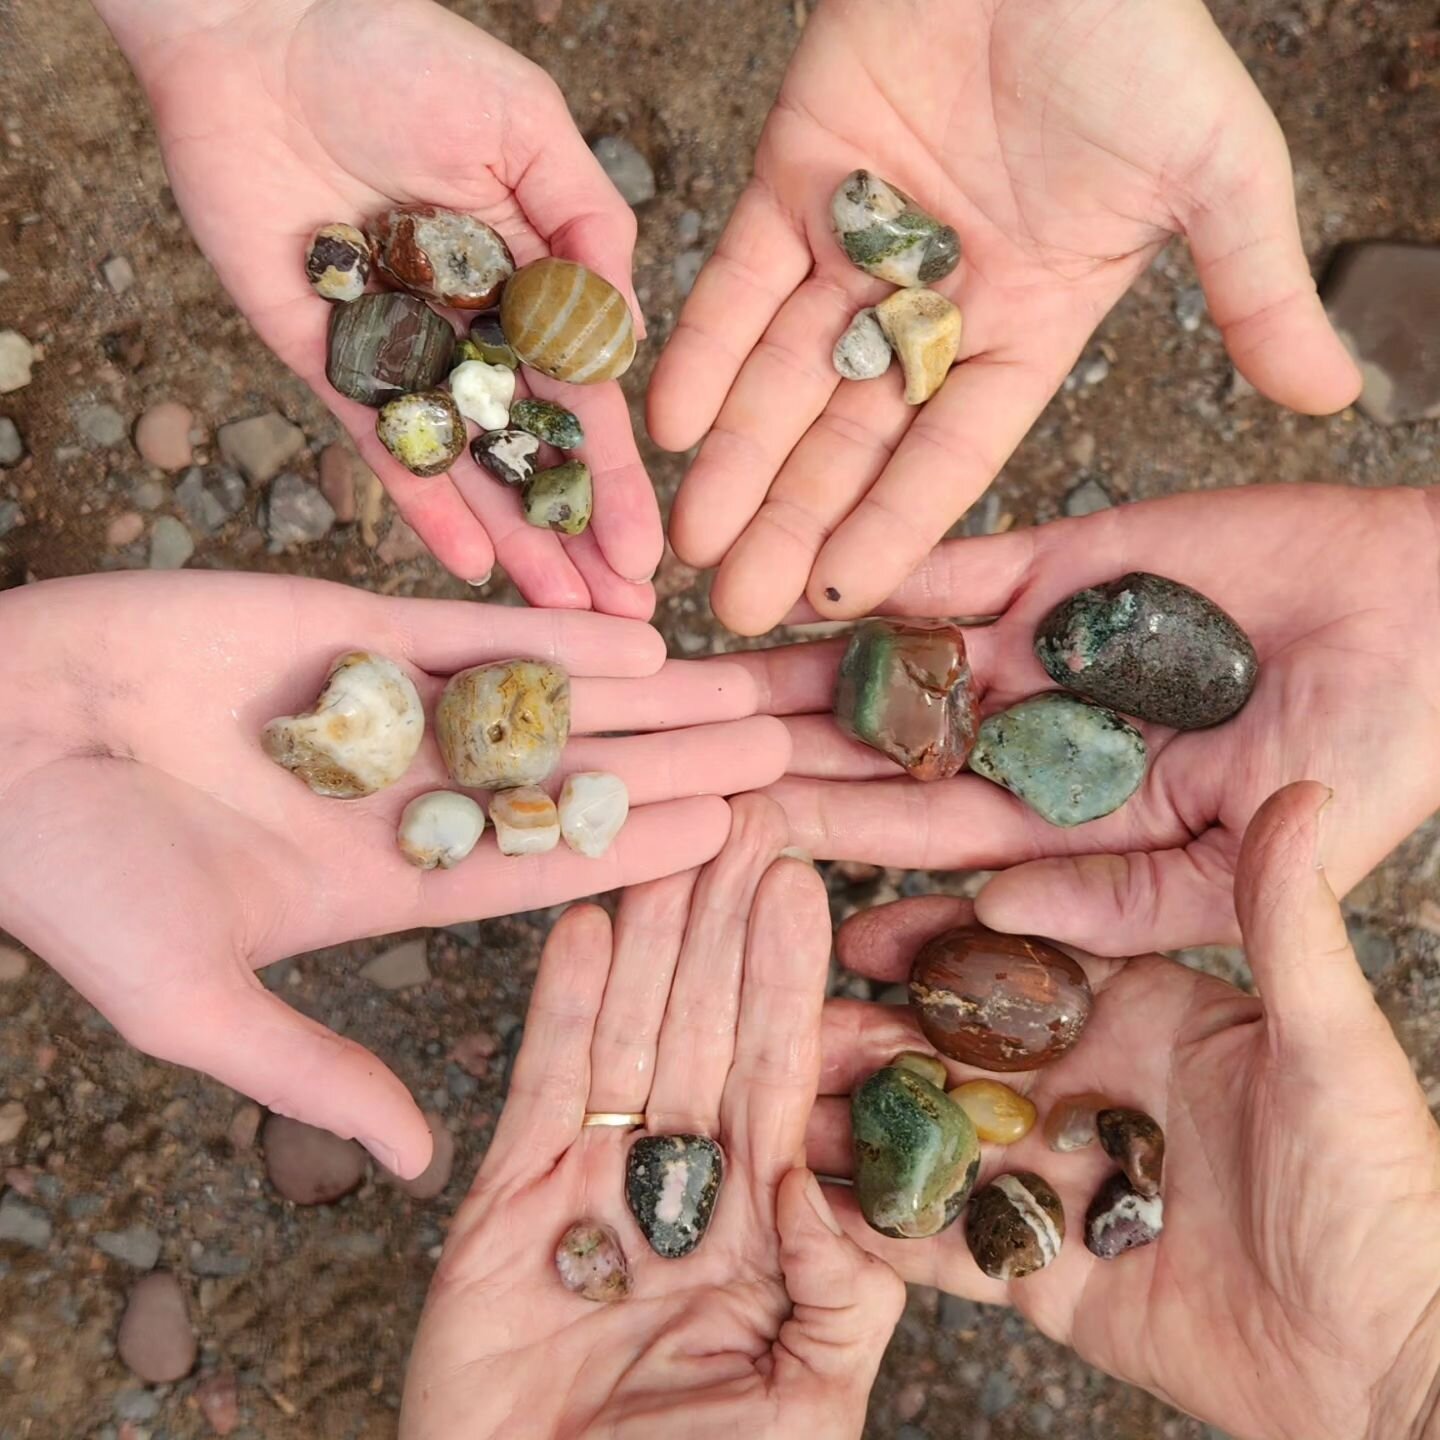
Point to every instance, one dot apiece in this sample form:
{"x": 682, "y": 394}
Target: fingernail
{"x": 794, "y": 852}
{"x": 821, "y": 1206}
{"x": 483, "y": 580}
{"x": 1322, "y": 828}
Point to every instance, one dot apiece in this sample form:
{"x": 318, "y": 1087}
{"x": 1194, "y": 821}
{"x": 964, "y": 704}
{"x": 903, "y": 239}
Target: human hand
{"x": 1292, "y": 1294}
{"x": 703, "y": 1011}
{"x": 1340, "y": 591}
{"x": 154, "y": 855}
{"x": 1066, "y": 148}
{"x": 280, "y": 116}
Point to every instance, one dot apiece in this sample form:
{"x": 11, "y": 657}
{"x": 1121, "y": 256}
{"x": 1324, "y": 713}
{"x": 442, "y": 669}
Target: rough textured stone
{"x": 999, "y": 1002}
{"x": 101, "y": 425}
{"x": 310, "y": 1166}
{"x": 905, "y": 690}
{"x": 916, "y": 1154}
{"x": 482, "y": 392}
{"x": 1150, "y": 647}
{"x": 629, "y": 171}
{"x": 210, "y": 496}
{"x": 504, "y": 724}
{"x": 1121, "y": 1219}
{"x": 171, "y": 545}
{"x": 1137, "y": 1143}
{"x": 671, "y": 1185}
{"x": 12, "y": 447}
{"x": 17, "y": 356}
{"x": 560, "y": 498}
{"x": 591, "y": 1261}
{"x": 883, "y": 231}
{"x": 383, "y": 346}
{"x": 162, "y": 435}
{"x": 425, "y": 432}
{"x": 400, "y": 967}
{"x": 119, "y": 273}
{"x": 22, "y": 1223}
{"x": 1068, "y": 760}
{"x": 296, "y": 513}
{"x": 862, "y": 352}
{"x": 156, "y": 1339}
{"x": 261, "y": 446}
{"x": 138, "y": 1246}
{"x": 552, "y": 423}
{"x": 442, "y": 255}
{"x": 1015, "y": 1225}
{"x": 923, "y": 329}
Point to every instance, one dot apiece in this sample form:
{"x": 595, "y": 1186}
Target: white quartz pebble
{"x": 483, "y": 393}
{"x": 440, "y": 828}
{"x": 593, "y": 807}
{"x": 525, "y": 821}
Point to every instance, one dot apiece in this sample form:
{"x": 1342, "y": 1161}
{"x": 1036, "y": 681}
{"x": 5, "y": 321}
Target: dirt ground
{"x": 312, "y": 1310}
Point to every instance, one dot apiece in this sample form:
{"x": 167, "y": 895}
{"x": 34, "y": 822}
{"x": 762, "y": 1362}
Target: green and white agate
{"x": 884, "y": 232}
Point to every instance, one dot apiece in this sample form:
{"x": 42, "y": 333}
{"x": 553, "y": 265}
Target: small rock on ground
{"x": 162, "y": 435}
{"x": 1087, "y": 497}
{"x": 12, "y": 447}
{"x": 12, "y": 517}
{"x": 17, "y": 356}
{"x": 261, "y": 446}
{"x": 296, "y": 513}
{"x": 338, "y": 465}
{"x": 101, "y": 425}
{"x": 119, "y": 274}
{"x": 219, "y": 1399}
{"x": 686, "y": 269}
{"x": 12, "y": 1121}
{"x": 124, "y": 530}
{"x": 436, "y": 1175}
{"x": 156, "y": 1339}
{"x": 244, "y": 1126}
{"x": 629, "y": 171}
{"x": 1374, "y": 949}
{"x": 13, "y": 964}
{"x": 210, "y": 496}
{"x": 23, "y": 1224}
{"x": 399, "y": 967}
{"x": 308, "y": 1165}
{"x": 138, "y": 1246}
{"x": 1190, "y": 308}
{"x": 170, "y": 544}
{"x": 687, "y": 228}
{"x": 136, "y": 1405}
{"x": 473, "y": 1053}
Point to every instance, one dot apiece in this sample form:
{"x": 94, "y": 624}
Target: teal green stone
{"x": 916, "y": 1155}
{"x": 1068, "y": 760}
{"x": 560, "y": 498}
{"x": 553, "y": 424}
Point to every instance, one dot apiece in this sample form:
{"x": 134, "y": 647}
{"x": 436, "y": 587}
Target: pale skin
{"x": 276, "y": 116}
{"x": 1066, "y": 145}
{"x": 157, "y": 858}
{"x": 1339, "y": 590}
{"x": 1292, "y": 1294}
{"x": 701, "y": 1007}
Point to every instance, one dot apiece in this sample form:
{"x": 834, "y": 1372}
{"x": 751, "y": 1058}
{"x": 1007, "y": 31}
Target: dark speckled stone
{"x": 671, "y": 1184}
{"x": 1152, "y": 648}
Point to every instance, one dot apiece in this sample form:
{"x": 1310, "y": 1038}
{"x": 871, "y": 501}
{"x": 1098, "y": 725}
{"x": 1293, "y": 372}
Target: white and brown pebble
{"x": 1015, "y": 1225}
{"x": 591, "y": 1262}
{"x": 1121, "y": 1219}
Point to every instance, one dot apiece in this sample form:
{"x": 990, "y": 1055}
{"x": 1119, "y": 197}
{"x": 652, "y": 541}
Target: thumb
{"x": 253, "y": 1042}
{"x": 846, "y": 1303}
{"x": 1245, "y": 237}
{"x": 1316, "y": 998}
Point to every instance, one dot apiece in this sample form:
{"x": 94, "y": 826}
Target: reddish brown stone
{"x": 1000, "y": 1002}
{"x": 441, "y": 255}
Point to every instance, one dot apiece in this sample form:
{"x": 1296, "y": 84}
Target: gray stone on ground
{"x": 170, "y": 544}
{"x": 147, "y": 492}
{"x": 984, "y": 515}
{"x": 957, "y": 1313}
{"x": 17, "y": 356}
{"x": 12, "y": 1121}
{"x": 261, "y": 446}
{"x": 687, "y": 228}
{"x": 1089, "y": 370}
{"x": 119, "y": 273}
{"x": 308, "y": 1165}
{"x": 137, "y": 1406}
{"x": 138, "y": 1246}
{"x": 1374, "y": 949}
{"x": 22, "y": 1223}
{"x": 1190, "y": 308}
{"x": 12, "y": 517}
{"x": 296, "y": 513}
{"x": 156, "y": 1339}
{"x": 998, "y": 1393}
{"x": 399, "y": 967}
{"x": 12, "y": 447}
{"x": 210, "y": 495}
{"x": 101, "y": 425}
{"x": 629, "y": 171}
{"x": 1087, "y": 497}
{"x": 210, "y": 1260}
{"x": 686, "y": 268}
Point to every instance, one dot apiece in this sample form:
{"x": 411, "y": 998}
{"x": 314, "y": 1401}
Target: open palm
{"x": 1340, "y": 591}
{"x": 1065, "y": 146}
{"x": 277, "y": 117}
{"x": 155, "y": 856}
{"x": 1292, "y": 1294}
{"x": 703, "y": 1012}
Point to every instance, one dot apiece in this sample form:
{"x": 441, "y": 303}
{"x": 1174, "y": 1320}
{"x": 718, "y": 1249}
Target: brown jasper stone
{"x": 1070, "y": 1123}
{"x": 566, "y": 322}
{"x": 1133, "y": 1139}
{"x": 441, "y": 255}
{"x": 1015, "y": 1225}
{"x": 999, "y": 1002}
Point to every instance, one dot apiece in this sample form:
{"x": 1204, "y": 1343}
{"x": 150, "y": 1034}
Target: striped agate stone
{"x": 567, "y": 323}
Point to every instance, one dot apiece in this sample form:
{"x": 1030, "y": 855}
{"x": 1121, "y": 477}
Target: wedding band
{"x": 628, "y": 1119}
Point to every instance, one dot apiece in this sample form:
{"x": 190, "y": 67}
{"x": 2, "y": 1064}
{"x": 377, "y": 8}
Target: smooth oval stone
{"x": 505, "y": 724}
{"x": 923, "y": 329}
{"x": 441, "y": 255}
{"x": 904, "y": 689}
{"x": 424, "y": 432}
{"x": 1152, "y": 648}
{"x": 552, "y": 423}
{"x": 671, "y": 1184}
{"x": 591, "y": 1261}
{"x": 927, "y": 1067}
{"x": 440, "y": 828}
{"x": 526, "y": 821}
{"x": 862, "y": 352}
{"x": 883, "y": 231}
{"x": 916, "y": 1154}
{"x": 594, "y": 806}
{"x": 560, "y": 498}
{"x": 1070, "y": 1123}
{"x": 487, "y": 338}
{"x": 509, "y": 455}
{"x": 383, "y": 346}
{"x": 1015, "y": 1225}
{"x": 1121, "y": 1219}
{"x": 567, "y": 322}
{"x": 999, "y": 1114}
{"x": 310, "y": 1166}
{"x": 1068, "y": 760}
{"x": 156, "y": 1337}
{"x": 1135, "y": 1140}
{"x": 337, "y": 262}
{"x": 999, "y": 1002}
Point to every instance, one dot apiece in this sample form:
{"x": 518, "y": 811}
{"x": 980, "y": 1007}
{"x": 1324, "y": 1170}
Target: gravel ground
{"x": 113, "y": 1164}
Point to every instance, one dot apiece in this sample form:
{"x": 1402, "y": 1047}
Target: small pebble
{"x": 687, "y": 227}
{"x": 591, "y": 1262}
{"x": 210, "y": 496}
{"x": 296, "y": 513}
{"x": 170, "y": 544}
{"x": 629, "y": 171}
{"x": 162, "y": 435}
{"x": 560, "y": 498}
{"x": 884, "y": 232}
{"x": 1137, "y": 1143}
{"x": 156, "y": 1339}
{"x": 593, "y": 809}
{"x": 526, "y": 821}
{"x": 473, "y": 1053}
{"x": 119, "y": 273}
{"x": 260, "y": 447}
{"x": 483, "y": 393}
{"x": 22, "y": 1223}
{"x": 244, "y": 1127}
{"x": 101, "y": 425}
{"x": 927, "y": 1067}
{"x": 424, "y": 432}
{"x": 124, "y": 530}
{"x": 1121, "y": 1219}
{"x": 139, "y": 1246}
{"x": 147, "y": 493}
{"x": 436, "y": 1175}
{"x": 1088, "y": 497}
{"x": 14, "y": 964}
{"x": 1070, "y": 1124}
{"x": 1014, "y": 1225}
{"x": 863, "y": 352}
{"x": 400, "y": 967}
{"x": 999, "y": 1114}
{"x": 219, "y": 1399}
{"x": 671, "y": 1185}
{"x": 12, "y": 1121}
{"x": 310, "y": 1166}
{"x": 337, "y": 262}
{"x": 440, "y": 829}
{"x": 12, "y": 517}
{"x": 12, "y": 447}
{"x": 552, "y": 423}
{"x": 442, "y": 255}
{"x": 685, "y": 270}
{"x": 17, "y": 356}
{"x": 923, "y": 329}
{"x": 509, "y": 455}
{"x": 337, "y": 480}
{"x": 910, "y": 1400}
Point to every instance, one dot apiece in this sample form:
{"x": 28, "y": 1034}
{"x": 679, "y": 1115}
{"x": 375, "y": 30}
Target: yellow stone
{"x": 923, "y": 327}
{"x": 927, "y": 1067}
{"x": 568, "y": 323}
{"x": 1000, "y": 1115}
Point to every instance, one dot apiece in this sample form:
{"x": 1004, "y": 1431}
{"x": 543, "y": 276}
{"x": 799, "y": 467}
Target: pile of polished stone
{"x": 1148, "y": 646}
{"x": 392, "y": 351}
{"x": 501, "y": 728}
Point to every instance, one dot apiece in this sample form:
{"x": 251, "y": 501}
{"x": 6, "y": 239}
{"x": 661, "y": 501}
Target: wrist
{"x": 147, "y": 28}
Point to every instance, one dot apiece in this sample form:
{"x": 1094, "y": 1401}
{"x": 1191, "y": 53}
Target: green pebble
{"x": 1068, "y": 760}
{"x": 560, "y": 498}
{"x": 552, "y": 423}
{"x": 916, "y": 1155}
